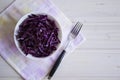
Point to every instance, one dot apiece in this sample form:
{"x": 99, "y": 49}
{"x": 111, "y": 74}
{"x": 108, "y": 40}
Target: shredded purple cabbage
{"x": 38, "y": 35}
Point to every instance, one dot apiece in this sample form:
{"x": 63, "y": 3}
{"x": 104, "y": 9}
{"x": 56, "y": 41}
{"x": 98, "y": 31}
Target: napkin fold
{"x": 27, "y": 68}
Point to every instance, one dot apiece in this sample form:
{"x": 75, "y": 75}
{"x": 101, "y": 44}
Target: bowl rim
{"x": 17, "y": 28}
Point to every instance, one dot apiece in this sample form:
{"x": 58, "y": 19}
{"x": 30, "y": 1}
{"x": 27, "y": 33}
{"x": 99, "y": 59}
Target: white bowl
{"x": 17, "y": 28}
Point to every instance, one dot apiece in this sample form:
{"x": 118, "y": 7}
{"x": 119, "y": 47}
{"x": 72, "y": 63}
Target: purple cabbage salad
{"x": 38, "y": 35}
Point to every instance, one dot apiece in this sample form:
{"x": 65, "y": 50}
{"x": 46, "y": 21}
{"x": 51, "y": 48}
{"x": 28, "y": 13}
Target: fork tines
{"x": 76, "y": 28}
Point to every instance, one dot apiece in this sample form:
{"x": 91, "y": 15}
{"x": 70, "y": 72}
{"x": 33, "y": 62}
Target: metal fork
{"x": 72, "y": 35}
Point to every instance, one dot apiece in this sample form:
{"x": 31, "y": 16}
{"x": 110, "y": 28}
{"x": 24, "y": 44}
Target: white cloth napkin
{"x": 27, "y": 68}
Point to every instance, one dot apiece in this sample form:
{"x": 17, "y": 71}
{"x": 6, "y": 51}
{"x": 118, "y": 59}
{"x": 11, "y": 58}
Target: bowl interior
{"x": 16, "y": 33}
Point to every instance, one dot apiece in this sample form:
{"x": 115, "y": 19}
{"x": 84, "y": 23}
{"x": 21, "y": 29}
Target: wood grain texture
{"x": 99, "y": 57}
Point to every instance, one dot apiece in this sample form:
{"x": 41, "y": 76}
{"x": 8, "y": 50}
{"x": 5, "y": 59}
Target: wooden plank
{"x": 85, "y": 78}
{"x": 10, "y": 78}
{"x": 100, "y": 44}
{"x": 95, "y": 51}
{"x": 6, "y": 4}
{"x": 70, "y": 78}
{"x": 100, "y": 36}
{"x": 6, "y": 70}
{"x": 101, "y": 8}
{"x": 93, "y": 63}
{"x": 97, "y": 20}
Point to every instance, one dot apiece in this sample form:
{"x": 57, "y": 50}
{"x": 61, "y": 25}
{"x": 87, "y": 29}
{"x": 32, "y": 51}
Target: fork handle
{"x": 57, "y": 63}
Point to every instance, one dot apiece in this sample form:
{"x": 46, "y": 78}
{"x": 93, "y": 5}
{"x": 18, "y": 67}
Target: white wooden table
{"x": 99, "y": 57}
